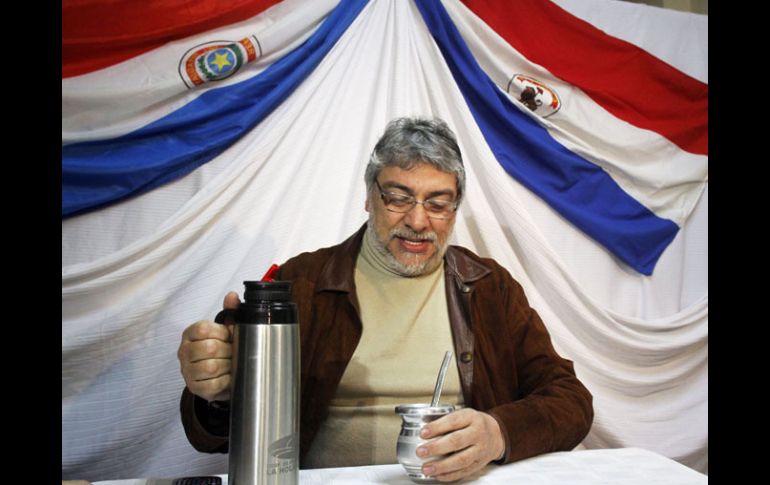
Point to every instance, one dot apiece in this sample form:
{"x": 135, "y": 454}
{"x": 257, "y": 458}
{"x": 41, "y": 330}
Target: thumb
{"x": 231, "y": 301}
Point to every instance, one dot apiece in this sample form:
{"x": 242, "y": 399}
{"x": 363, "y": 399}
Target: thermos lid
{"x": 267, "y": 291}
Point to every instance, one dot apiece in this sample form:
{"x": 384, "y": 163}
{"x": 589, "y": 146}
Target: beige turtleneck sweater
{"x": 405, "y": 334}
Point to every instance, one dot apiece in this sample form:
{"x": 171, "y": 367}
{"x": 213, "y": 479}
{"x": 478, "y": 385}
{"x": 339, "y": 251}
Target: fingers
{"x": 456, "y": 467}
{"x": 210, "y": 348}
{"x": 217, "y": 389}
{"x": 205, "y": 355}
{"x": 206, "y": 369}
{"x": 449, "y": 443}
{"x": 470, "y": 440}
{"x": 204, "y": 330}
{"x": 205, "y": 359}
{"x": 446, "y": 424}
{"x": 206, "y": 366}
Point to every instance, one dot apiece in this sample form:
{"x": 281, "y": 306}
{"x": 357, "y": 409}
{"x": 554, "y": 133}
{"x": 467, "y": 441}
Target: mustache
{"x": 406, "y": 233}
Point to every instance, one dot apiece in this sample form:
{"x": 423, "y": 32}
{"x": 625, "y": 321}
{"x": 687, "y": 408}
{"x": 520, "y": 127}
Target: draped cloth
{"x": 137, "y": 271}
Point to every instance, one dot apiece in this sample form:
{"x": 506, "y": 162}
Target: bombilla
{"x": 440, "y": 379}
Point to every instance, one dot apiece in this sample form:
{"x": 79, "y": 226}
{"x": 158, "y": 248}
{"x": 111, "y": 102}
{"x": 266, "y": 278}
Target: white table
{"x": 624, "y": 466}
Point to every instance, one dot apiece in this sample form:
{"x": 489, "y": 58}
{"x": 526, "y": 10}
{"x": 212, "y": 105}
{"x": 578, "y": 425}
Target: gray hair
{"x": 408, "y": 142}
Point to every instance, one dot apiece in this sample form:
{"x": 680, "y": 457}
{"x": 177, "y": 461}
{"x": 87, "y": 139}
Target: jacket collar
{"x": 467, "y": 269}
{"x": 338, "y": 272}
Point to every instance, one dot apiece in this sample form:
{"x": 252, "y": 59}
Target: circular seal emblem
{"x": 219, "y": 63}
{"x": 214, "y": 61}
{"x": 534, "y": 95}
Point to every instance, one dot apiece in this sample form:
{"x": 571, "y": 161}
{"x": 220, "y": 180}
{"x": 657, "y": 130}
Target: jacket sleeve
{"x": 206, "y": 426}
{"x": 551, "y": 410}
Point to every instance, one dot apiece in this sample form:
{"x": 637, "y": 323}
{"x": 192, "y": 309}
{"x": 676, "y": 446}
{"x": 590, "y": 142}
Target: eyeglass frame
{"x": 414, "y": 203}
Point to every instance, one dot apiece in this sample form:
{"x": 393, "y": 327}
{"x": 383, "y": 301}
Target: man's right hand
{"x": 205, "y": 356}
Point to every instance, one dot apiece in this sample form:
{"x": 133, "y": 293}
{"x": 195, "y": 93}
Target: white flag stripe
{"x": 650, "y": 168}
{"x": 675, "y": 37}
{"x": 124, "y": 97}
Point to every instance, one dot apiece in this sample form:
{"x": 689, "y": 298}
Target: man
{"x": 376, "y": 314}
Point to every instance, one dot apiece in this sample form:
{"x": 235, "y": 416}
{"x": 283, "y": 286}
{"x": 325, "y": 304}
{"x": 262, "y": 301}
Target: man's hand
{"x": 474, "y": 439}
{"x": 205, "y": 356}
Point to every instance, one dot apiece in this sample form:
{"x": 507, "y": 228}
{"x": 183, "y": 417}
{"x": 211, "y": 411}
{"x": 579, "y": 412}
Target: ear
{"x": 366, "y": 204}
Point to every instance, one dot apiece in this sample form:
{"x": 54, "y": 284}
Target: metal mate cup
{"x": 413, "y": 418}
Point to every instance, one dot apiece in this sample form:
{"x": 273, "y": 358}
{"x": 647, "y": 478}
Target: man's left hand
{"x": 474, "y": 439}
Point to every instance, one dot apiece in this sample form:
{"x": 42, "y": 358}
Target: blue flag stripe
{"x": 98, "y": 173}
{"x": 579, "y": 190}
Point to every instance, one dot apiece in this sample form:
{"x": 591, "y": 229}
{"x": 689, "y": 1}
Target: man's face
{"x": 412, "y": 243}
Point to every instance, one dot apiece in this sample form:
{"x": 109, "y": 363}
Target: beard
{"x": 409, "y": 270}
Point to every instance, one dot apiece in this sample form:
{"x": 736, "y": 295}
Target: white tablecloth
{"x": 625, "y": 466}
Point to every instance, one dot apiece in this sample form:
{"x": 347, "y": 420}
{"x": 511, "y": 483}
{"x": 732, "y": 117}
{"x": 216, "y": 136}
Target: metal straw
{"x": 440, "y": 379}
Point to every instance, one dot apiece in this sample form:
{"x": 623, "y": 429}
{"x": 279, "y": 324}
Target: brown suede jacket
{"x": 507, "y": 364}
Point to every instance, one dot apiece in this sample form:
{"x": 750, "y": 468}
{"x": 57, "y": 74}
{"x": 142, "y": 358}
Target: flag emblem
{"x": 214, "y": 61}
{"x": 534, "y": 95}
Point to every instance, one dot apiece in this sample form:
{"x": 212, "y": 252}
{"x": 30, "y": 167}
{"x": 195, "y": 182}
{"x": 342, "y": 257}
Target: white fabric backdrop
{"x": 135, "y": 274}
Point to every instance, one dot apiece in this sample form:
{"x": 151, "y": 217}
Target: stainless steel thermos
{"x": 264, "y": 402}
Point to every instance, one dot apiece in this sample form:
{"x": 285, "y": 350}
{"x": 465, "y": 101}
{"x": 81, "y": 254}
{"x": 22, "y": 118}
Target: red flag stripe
{"x": 624, "y": 79}
{"x": 99, "y": 33}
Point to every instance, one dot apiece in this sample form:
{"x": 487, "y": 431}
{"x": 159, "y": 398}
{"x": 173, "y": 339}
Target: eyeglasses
{"x": 403, "y": 203}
